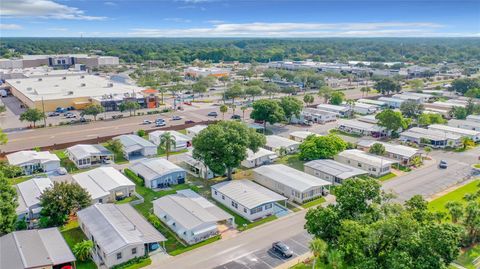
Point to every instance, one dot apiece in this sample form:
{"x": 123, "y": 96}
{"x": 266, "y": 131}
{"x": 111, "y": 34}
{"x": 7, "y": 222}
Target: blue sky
{"x": 239, "y": 18}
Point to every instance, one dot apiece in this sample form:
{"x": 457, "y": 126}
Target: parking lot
{"x": 266, "y": 258}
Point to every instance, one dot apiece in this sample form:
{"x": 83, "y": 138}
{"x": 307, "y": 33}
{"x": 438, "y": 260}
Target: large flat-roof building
{"x": 197, "y": 72}
{"x": 192, "y": 217}
{"x": 58, "y": 60}
{"x": 119, "y": 233}
{"x": 375, "y": 165}
{"x": 392, "y": 102}
{"x": 315, "y": 115}
{"x": 49, "y": 92}
{"x": 45, "y": 249}
{"x": 300, "y": 136}
{"x": 331, "y": 170}
{"x": 195, "y": 130}
{"x": 159, "y": 173}
{"x": 364, "y": 109}
{"x": 465, "y": 124}
{"x": 246, "y": 198}
{"x": 294, "y": 184}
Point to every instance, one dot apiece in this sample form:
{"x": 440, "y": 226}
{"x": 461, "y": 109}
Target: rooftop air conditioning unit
{"x": 83, "y": 85}
{"x": 70, "y": 93}
{"x": 18, "y": 81}
{"x": 82, "y": 76}
{"x": 29, "y": 88}
{"x": 110, "y": 85}
{"x": 40, "y": 79}
{"x": 64, "y": 78}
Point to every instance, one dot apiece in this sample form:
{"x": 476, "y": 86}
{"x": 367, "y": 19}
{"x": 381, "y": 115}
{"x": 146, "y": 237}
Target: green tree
{"x": 167, "y": 142}
{"x": 253, "y": 91}
{"x": 308, "y": 99}
{"x": 416, "y": 84}
{"x": 243, "y": 109}
{"x": 32, "y": 115}
{"x": 319, "y": 248}
{"x": 130, "y": 106}
{"x": 10, "y": 171}
{"x": 83, "y": 250}
{"x": 3, "y": 138}
{"x": 321, "y": 147}
{"x": 223, "y": 146}
{"x": 463, "y": 85}
{"x": 115, "y": 146}
{"x": 291, "y": 106}
{"x": 473, "y": 93}
{"x": 455, "y": 209}
{"x": 459, "y": 113}
{"x": 271, "y": 89}
{"x": 267, "y": 110}
{"x": 2, "y": 109}
{"x": 427, "y": 150}
{"x": 411, "y": 109}
{"x": 471, "y": 222}
{"x": 223, "y": 109}
{"x": 288, "y": 90}
{"x": 224, "y": 80}
{"x": 199, "y": 87}
{"x": 387, "y": 86}
{"x": 60, "y": 201}
{"x": 365, "y": 90}
{"x": 467, "y": 142}
{"x": 93, "y": 110}
{"x": 8, "y": 206}
{"x": 336, "y": 98}
{"x": 377, "y": 149}
{"x": 234, "y": 92}
{"x": 325, "y": 92}
{"x": 391, "y": 120}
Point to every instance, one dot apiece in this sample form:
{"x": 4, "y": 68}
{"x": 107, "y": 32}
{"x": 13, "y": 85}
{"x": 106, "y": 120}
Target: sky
{"x": 239, "y": 18}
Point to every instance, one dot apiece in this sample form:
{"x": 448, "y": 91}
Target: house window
{"x": 245, "y": 210}
{"x": 119, "y": 255}
{"x": 234, "y": 204}
{"x": 134, "y": 251}
{"x": 223, "y": 197}
{"x": 268, "y": 206}
{"x": 215, "y": 192}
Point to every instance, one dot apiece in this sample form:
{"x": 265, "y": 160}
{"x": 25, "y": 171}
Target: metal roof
{"x": 154, "y": 168}
{"x": 261, "y": 152}
{"x": 247, "y": 193}
{"x": 82, "y": 151}
{"x": 197, "y": 128}
{"x": 401, "y": 150}
{"x": 363, "y": 157}
{"x": 34, "y": 248}
{"x": 334, "y": 168}
{"x": 100, "y": 181}
{"x": 190, "y": 210}
{"x": 290, "y": 177}
{"x": 454, "y": 130}
{"x": 27, "y": 156}
{"x": 370, "y": 101}
{"x": 303, "y": 134}
{"x": 361, "y": 125}
{"x": 29, "y": 191}
{"x": 275, "y": 141}
{"x": 179, "y": 137}
{"x": 330, "y": 107}
{"x": 117, "y": 225}
{"x": 431, "y": 134}
{"x": 134, "y": 142}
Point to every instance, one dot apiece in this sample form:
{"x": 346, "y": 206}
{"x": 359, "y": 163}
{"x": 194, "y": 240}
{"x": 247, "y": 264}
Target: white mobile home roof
{"x": 190, "y": 210}
{"x": 392, "y": 148}
{"x": 27, "y": 156}
{"x": 372, "y": 102}
{"x": 467, "y": 124}
{"x": 196, "y": 129}
{"x": 291, "y": 177}
{"x": 34, "y": 249}
{"x": 316, "y": 111}
{"x": 154, "y": 168}
{"x": 360, "y": 125}
{"x": 303, "y": 134}
{"x": 100, "y": 181}
{"x": 335, "y": 168}
{"x": 247, "y": 193}
{"x": 364, "y": 105}
{"x": 261, "y": 152}
{"x": 275, "y": 141}
{"x": 117, "y": 225}
{"x": 431, "y": 134}
{"x": 368, "y": 119}
{"x": 179, "y": 137}
{"x": 455, "y": 130}
{"x": 330, "y": 107}
{"x": 82, "y": 151}
{"x": 29, "y": 191}
{"x": 473, "y": 118}
{"x": 407, "y": 97}
{"x": 134, "y": 142}
{"x": 361, "y": 156}
{"x": 389, "y": 99}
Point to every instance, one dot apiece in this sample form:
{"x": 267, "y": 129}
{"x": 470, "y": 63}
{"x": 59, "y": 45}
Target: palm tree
{"x": 233, "y": 106}
{"x": 162, "y": 91}
{"x": 427, "y": 150}
{"x": 82, "y": 250}
{"x": 335, "y": 259}
{"x": 167, "y": 141}
{"x": 223, "y": 109}
{"x": 243, "y": 108}
{"x": 455, "y": 209}
{"x": 318, "y": 248}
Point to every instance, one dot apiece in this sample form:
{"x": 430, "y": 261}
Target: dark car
{"x": 189, "y": 121}
{"x": 235, "y": 117}
{"x": 212, "y": 114}
{"x": 282, "y": 249}
{"x": 443, "y": 164}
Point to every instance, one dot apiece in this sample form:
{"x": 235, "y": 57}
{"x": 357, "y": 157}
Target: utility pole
{"x": 44, "y": 117}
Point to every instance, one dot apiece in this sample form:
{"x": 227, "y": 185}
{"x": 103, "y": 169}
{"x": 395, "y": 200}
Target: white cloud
{"x": 10, "y": 27}
{"x": 58, "y": 29}
{"x": 215, "y": 21}
{"x": 178, "y": 20}
{"x": 111, "y": 4}
{"x": 43, "y": 9}
{"x": 260, "y": 29}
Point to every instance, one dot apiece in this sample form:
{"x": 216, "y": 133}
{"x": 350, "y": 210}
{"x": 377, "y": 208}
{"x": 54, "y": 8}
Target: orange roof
{"x": 150, "y": 91}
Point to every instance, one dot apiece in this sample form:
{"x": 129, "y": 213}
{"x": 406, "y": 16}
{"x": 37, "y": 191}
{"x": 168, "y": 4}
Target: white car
{"x": 146, "y": 122}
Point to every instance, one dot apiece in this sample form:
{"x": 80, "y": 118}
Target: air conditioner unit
{"x": 40, "y": 79}
{"x": 83, "y": 85}
{"x": 64, "y": 78}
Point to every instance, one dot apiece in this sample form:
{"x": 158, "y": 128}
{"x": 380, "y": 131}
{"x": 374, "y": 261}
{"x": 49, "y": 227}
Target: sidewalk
{"x": 295, "y": 261}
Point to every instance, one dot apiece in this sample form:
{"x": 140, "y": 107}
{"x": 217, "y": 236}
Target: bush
{"x": 137, "y": 262}
{"x": 141, "y": 133}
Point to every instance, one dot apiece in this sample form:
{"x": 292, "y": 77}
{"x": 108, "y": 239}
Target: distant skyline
{"x": 239, "y": 18}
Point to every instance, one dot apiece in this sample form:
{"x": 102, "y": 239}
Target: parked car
{"x": 160, "y": 123}
{"x": 282, "y": 249}
{"x": 176, "y": 118}
{"x": 235, "y": 117}
{"x": 60, "y": 110}
{"x": 53, "y": 114}
{"x": 70, "y": 108}
{"x": 212, "y": 114}
{"x": 189, "y": 121}
{"x": 443, "y": 164}
{"x": 146, "y": 122}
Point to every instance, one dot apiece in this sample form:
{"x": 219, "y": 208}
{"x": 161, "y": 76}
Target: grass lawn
{"x": 191, "y": 247}
{"x": 315, "y": 202}
{"x": 16, "y": 180}
{"x": 386, "y": 177}
{"x": 73, "y": 234}
{"x": 477, "y": 165}
{"x": 293, "y": 207}
{"x": 456, "y": 195}
{"x": 161, "y": 152}
{"x": 127, "y": 200}
{"x": 182, "y": 131}
{"x": 292, "y": 161}
{"x": 65, "y": 161}
{"x": 466, "y": 258}
{"x": 336, "y": 131}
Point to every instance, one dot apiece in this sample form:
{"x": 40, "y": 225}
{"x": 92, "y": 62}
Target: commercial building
{"x": 159, "y": 173}
{"x": 192, "y": 217}
{"x": 85, "y": 156}
{"x": 430, "y": 137}
{"x": 119, "y": 233}
{"x": 260, "y": 157}
{"x": 246, "y": 198}
{"x": 364, "y": 109}
{"x": 331, "y": 170}
{"x": 181, "y": 141}
{"x": 361, "y": 128}
{"x": 194, "y": 130}
{"x": 133, "y": 146}
{"x": 58, "y": 61}
{"x": 294, "y": 184}
{"x": 197, "y": 72}
{"x": 34, "y": 161}
{"x": 49, "y": 92}
{"x": 375, "y": 165}
{"x": 392, "y": 102}
{"x": 300, "y": 136}
{"x": 45, "y": 249}
{"x": 29, "y": 197}
{"x": 403, "y": 154}
{"x": 278, "y": 144}
{"x": 342, "y": 111}
{"x": 105, "y": 184}
{"x": 472, "y": 134}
